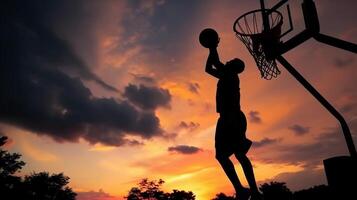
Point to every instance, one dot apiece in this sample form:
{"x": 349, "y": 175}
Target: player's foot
{"x": 243, "y": 194}
{"x": 256, "y": 196}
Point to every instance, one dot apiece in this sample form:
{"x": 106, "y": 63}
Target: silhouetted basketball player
{"x": 230, "y": 135}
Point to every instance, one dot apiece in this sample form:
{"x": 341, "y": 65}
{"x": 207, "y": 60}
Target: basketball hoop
{"x": 262, "y": 44}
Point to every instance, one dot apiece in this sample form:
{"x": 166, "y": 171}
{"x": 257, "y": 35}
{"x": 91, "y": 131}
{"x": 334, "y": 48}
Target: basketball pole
{"x": 335, "y": 42}
{"x": 313, "y": 30}
{"x": 323, "y": 101}
{"x": 264, "y": 16}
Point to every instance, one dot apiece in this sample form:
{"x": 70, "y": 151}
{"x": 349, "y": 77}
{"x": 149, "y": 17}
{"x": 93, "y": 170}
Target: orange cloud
{"x": 38, "y": 154}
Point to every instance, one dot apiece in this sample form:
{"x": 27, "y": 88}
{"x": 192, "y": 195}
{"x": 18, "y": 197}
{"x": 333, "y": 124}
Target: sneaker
{"x": 257, "y": 197}
{"x": 243, "y": 194}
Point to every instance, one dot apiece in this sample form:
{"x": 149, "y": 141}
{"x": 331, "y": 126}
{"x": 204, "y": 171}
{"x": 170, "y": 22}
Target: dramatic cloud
{"x": 41, "y": 88}
{"x": 184, "y": 149}
{"x": 349, "y": 107}
{"x": 194, "y": 87}
{"x": 325, "y": 145}
{"x": 301, "y": 179}
{"x": 299, "y": 130}
{"x": 254, "y": 117}
{"x": 344, "y": 62}
{"x": 150, "y": 27}
{"x": 148, "y": 97}
{"x": 30, "y": 29}
{"x": 191, "y": 126}
{"x": 92, "y": 195}
{"x": 349, "y": 103}
{"x": 142, "y": 79}
{"x": 49, "y": 102}
{"x": 265, "y": 142}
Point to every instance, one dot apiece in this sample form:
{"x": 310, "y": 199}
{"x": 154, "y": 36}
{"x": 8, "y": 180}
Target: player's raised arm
{"x": 214, "y": 65}
{"x": 209, "y": 39}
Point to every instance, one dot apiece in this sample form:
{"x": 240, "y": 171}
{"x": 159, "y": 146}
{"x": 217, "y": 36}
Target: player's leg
{"x": 223, "y": 151}
{"x": 240, "y": 153}
{"x": 249, "y": 174}
{"x": 228, "y": 168}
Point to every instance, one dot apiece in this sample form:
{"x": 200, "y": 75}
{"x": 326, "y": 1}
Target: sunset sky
{"x": 109, "y": 92}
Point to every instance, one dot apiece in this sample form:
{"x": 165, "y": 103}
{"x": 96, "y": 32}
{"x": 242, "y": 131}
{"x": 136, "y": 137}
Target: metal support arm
{"x": 348, "y": 46}
{"x": 324, "y": 102}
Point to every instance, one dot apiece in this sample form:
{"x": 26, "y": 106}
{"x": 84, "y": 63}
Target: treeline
{"x": 279, "y": 191}
{"x": 151, "y": 190}
{"x": 45, "y": 186}
{"x": 35, "y": 186}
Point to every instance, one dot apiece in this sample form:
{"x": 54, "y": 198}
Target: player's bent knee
{"x": 222, "y": 158}
{"x": 241, "y": 157}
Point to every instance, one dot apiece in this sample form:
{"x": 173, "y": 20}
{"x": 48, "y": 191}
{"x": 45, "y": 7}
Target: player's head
{"x": 235, "y": 66}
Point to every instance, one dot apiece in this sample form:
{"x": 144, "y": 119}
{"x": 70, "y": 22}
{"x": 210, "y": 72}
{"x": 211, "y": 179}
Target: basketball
{"x": 209, "y": 38}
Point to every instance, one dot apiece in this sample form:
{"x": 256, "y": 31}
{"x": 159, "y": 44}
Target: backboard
{"x": 268, "y": 39}
{"x": 292, "y": 14}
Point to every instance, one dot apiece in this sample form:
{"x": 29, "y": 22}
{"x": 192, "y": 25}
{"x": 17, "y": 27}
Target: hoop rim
{"x": 253, "y": 11}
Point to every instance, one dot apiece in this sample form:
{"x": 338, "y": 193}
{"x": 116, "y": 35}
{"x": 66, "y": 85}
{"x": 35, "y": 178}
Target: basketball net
{"x": 260, "y": 43}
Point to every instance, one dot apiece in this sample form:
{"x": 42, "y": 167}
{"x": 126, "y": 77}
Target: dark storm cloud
{"x": 184, "y": 149}
{"x": 49, "y": 102}
{"x": 193, "y": 87}
{"x": 264, "y": 142}
{"x": 254, "y": 117}
{"x": 148, "y": 97}
{"x": 299, "y": 129}
{"x": 191, "y": 126}
{"x": 38, "y": 94}
{"x": 31, "y": 26}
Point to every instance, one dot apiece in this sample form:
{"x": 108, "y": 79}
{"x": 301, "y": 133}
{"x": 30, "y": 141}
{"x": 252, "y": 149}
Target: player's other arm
{"x": 214, "y": 65}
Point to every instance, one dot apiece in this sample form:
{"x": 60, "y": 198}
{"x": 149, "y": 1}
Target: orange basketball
{"x": 209, "y": 38}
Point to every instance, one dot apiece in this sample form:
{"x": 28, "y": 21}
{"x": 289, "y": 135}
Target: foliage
{"x": 276, "y": 191}
{"x": 151, "y": 190}
{"x": 279, "y": 191}
{"x": 47, "y": 187}
{"x": 181, "y": 195}
{"x": 316, "y": 192}
{"x": 36, "y": 186}
{"x": 9, "y": 162}
{"x": 222, "y": 196}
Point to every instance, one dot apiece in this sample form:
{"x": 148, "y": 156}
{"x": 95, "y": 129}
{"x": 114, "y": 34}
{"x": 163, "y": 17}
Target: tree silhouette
{"x": 37, "y": 186}
{"x": 10, "y": 164}
{"x": 316, "y": 192}
{"x": 222, "y": 196}
{"x": 181, "y": 195}
{"x": 48, "y": 187}
{"x": 276, "y": 191}
{"x": 151, "y": 190}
